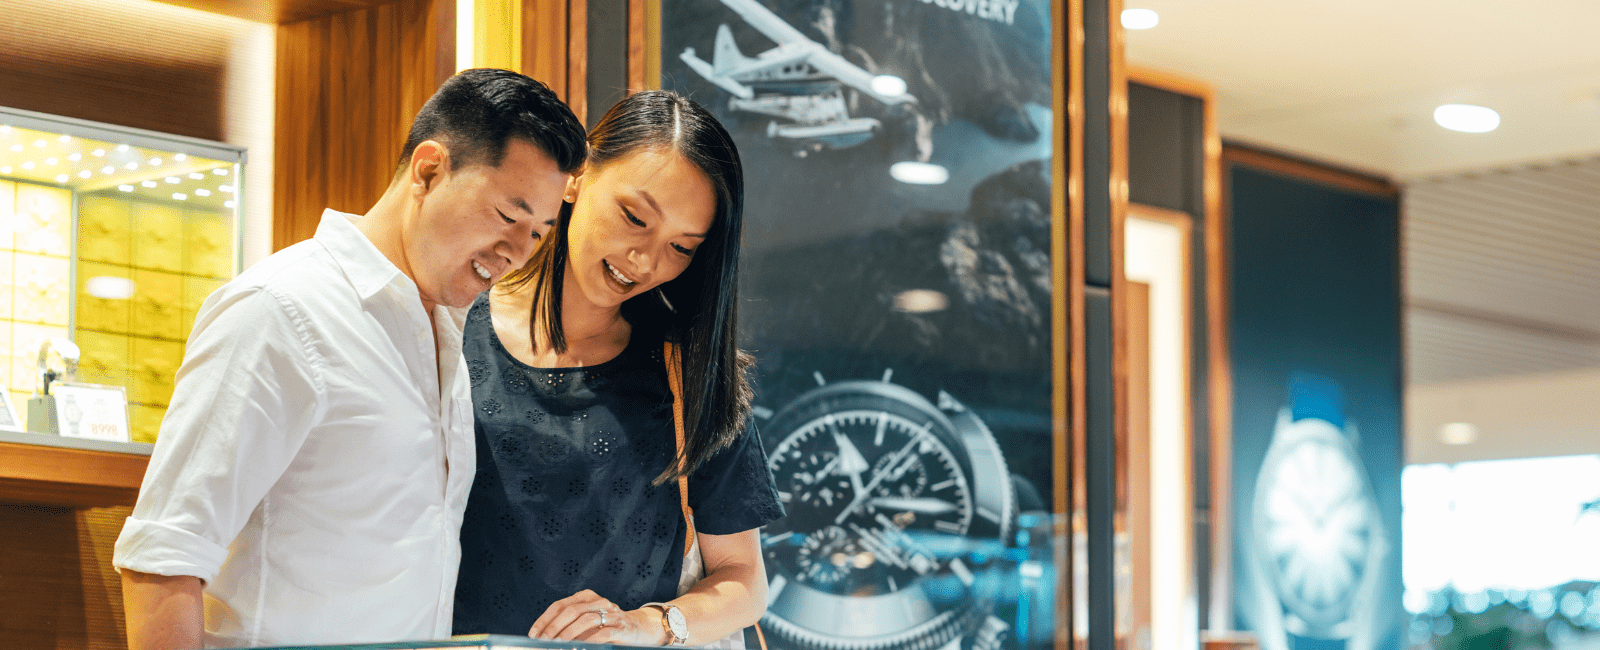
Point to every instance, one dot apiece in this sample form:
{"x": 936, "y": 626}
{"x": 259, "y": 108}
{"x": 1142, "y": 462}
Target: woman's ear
{"x": 574, "y": 185}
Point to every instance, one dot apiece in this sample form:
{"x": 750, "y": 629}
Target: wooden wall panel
{"x": 348, "y": 85}
{"x": 275, "y": 11}
{"x": 554, "y": 42}
{"x": 61, "y": 592}
{"x": 134, "y": 64}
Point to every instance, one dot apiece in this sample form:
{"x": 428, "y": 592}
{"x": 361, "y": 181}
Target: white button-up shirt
{"x": 310, "y": 469}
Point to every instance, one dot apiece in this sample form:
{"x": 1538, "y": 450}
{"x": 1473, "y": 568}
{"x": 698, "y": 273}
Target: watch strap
{"x": 673, "y": 638}
{"x": 1313, "y": 396}
{"x": 1297, "y": 642}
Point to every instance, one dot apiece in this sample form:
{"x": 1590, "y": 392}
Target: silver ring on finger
{"x": 603, "y": 621}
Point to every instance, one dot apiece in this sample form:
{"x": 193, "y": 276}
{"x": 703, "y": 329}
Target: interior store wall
{"x": 149, "y": 66}
{"x": 348, "y": 85}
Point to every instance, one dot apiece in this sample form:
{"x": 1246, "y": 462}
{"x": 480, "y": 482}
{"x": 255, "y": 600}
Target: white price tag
{"x": 92, "y": 411}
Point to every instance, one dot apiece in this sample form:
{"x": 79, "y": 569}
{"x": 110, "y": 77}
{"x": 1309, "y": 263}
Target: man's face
{"x": 477, "y": 223}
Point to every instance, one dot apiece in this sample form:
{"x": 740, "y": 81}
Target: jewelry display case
{"x": 112, "y": 238}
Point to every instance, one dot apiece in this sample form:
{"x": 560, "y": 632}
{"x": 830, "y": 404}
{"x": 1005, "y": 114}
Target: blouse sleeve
{"x": 733, "y": 491}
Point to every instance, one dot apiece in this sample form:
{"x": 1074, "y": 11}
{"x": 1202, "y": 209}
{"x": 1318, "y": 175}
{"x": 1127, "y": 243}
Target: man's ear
{"x": 430, "y": 161}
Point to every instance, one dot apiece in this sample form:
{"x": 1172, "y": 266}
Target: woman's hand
{"x": 585, "y": 616}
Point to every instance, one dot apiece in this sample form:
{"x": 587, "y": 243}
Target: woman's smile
{"x": 618, "y": 281}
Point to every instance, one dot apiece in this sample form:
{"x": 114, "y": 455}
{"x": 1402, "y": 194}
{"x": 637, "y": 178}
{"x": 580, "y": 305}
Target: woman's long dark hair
{"x": 698, "y": 310}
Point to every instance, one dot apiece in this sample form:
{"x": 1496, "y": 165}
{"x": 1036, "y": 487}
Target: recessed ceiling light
{"x": 1458, "y": 433}
{"x": 125, "y": 188}
{"x": 51, "y": 160}
{"x": 5, "y": 128}
{"x": 16, "y": 148}
{"x": 148, "y": 183}
{"x": 228, "y": 204}
{"x": 180, "y": 196}
{"x": 220, "y": 171}
{"x": 108, "y": 170}
{"x": 40, "y": 143}
{"x": 173, "y": 180}
{"x": 85, "y": 174}
{"x": 64, "y": 139}
{"x": 1139, "y": 18}
{"x": 196, "y": 175}
{"x": 179, "y": 157}
{"x": 1467, "y": 118}
{"x": 919, "y": 173}
{"x": 98, "y": 152}
{"x": 228, "y": 189}
{"x": 5, "y": 170}
{"x": 61, "y": 178}
{"x": 28, "y": 165}
{"x": 202, "y": 192}
{"x": 155, "y": 161}
{"x": 131, "y": 166}
{"x": 121, "y": 148}
{"x": 75, "y": 157}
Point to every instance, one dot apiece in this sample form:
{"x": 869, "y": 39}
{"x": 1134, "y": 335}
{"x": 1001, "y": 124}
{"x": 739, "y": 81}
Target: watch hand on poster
{"x": 924, "y": 505}
{"x": 849, "y": 462}
{"x": 861, "y": 493}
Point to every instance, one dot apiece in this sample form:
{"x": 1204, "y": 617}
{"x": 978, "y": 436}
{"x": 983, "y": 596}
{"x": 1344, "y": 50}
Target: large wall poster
{"x": 1315, "y": 354}
{"x": 898, "y": 296}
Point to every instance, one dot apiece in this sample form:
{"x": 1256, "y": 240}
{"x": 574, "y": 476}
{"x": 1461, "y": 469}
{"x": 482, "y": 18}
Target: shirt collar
{"x": 363, "y": 264}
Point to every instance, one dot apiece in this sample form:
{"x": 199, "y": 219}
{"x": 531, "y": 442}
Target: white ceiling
{"x": 1501, "y": 230}
{"x": 1355, "y": 81}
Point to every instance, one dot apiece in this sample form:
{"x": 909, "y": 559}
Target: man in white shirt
{"x": 311, "y": 473}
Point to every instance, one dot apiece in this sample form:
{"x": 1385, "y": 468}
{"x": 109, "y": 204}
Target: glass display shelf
{"x": 112, "y": 238}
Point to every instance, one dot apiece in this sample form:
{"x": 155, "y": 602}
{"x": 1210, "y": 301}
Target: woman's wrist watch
{"x": 673, "y": 622}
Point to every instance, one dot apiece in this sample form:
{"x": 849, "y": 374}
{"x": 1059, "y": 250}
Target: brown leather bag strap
{"x": 675, "y": 382}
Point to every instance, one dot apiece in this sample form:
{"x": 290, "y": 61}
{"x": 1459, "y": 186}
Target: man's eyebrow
{"x": 521, "y": 204}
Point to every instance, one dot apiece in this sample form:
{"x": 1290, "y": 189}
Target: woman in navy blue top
{"x": 574, "y": 527}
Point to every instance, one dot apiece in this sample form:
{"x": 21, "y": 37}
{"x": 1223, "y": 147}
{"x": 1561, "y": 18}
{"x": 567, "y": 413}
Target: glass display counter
{"x": 112, "y": 238}
{"x": 480, "y": 641}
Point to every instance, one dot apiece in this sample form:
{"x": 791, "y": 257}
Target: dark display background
{"x": 832, "y": 241}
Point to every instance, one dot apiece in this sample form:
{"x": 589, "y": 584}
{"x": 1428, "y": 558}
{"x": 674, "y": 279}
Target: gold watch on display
{"x": 673, "y": 622}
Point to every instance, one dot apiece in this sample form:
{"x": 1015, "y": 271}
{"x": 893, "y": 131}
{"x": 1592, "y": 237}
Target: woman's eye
{"x": 632, "y": 218}
{"x": 506, "y": 218}
{"x": 685, "y": 251}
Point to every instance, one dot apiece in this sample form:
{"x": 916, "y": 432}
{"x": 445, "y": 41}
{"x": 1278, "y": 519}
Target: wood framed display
{"x": 906, "y": 289}
{"x": 1314, "y": 307}
{"x": 1175, "y": 168}
{"x": 1158, "y": 495}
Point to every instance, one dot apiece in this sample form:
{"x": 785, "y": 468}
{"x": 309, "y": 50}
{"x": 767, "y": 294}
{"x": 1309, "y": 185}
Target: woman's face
{"x": 636, "y": 224}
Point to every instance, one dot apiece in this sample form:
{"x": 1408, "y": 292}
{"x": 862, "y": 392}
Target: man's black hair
{"x": 476, "y": 112}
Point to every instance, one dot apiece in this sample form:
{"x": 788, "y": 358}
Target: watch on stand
{"x": 1316, "y": 528}
{"x": 58, "y": 361}
{"x": 882, "y": 488}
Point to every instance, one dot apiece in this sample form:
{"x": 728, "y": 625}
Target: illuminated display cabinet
{"x": 112, "y": 237}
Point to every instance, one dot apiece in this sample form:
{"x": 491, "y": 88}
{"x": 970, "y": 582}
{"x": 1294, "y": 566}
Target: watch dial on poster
{"x": 896, "y": 282}
{"x": 879, "y": 484}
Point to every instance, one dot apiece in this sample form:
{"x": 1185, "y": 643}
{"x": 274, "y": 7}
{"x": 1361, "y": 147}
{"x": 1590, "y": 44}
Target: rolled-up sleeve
{"x": 246, "y": 397}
